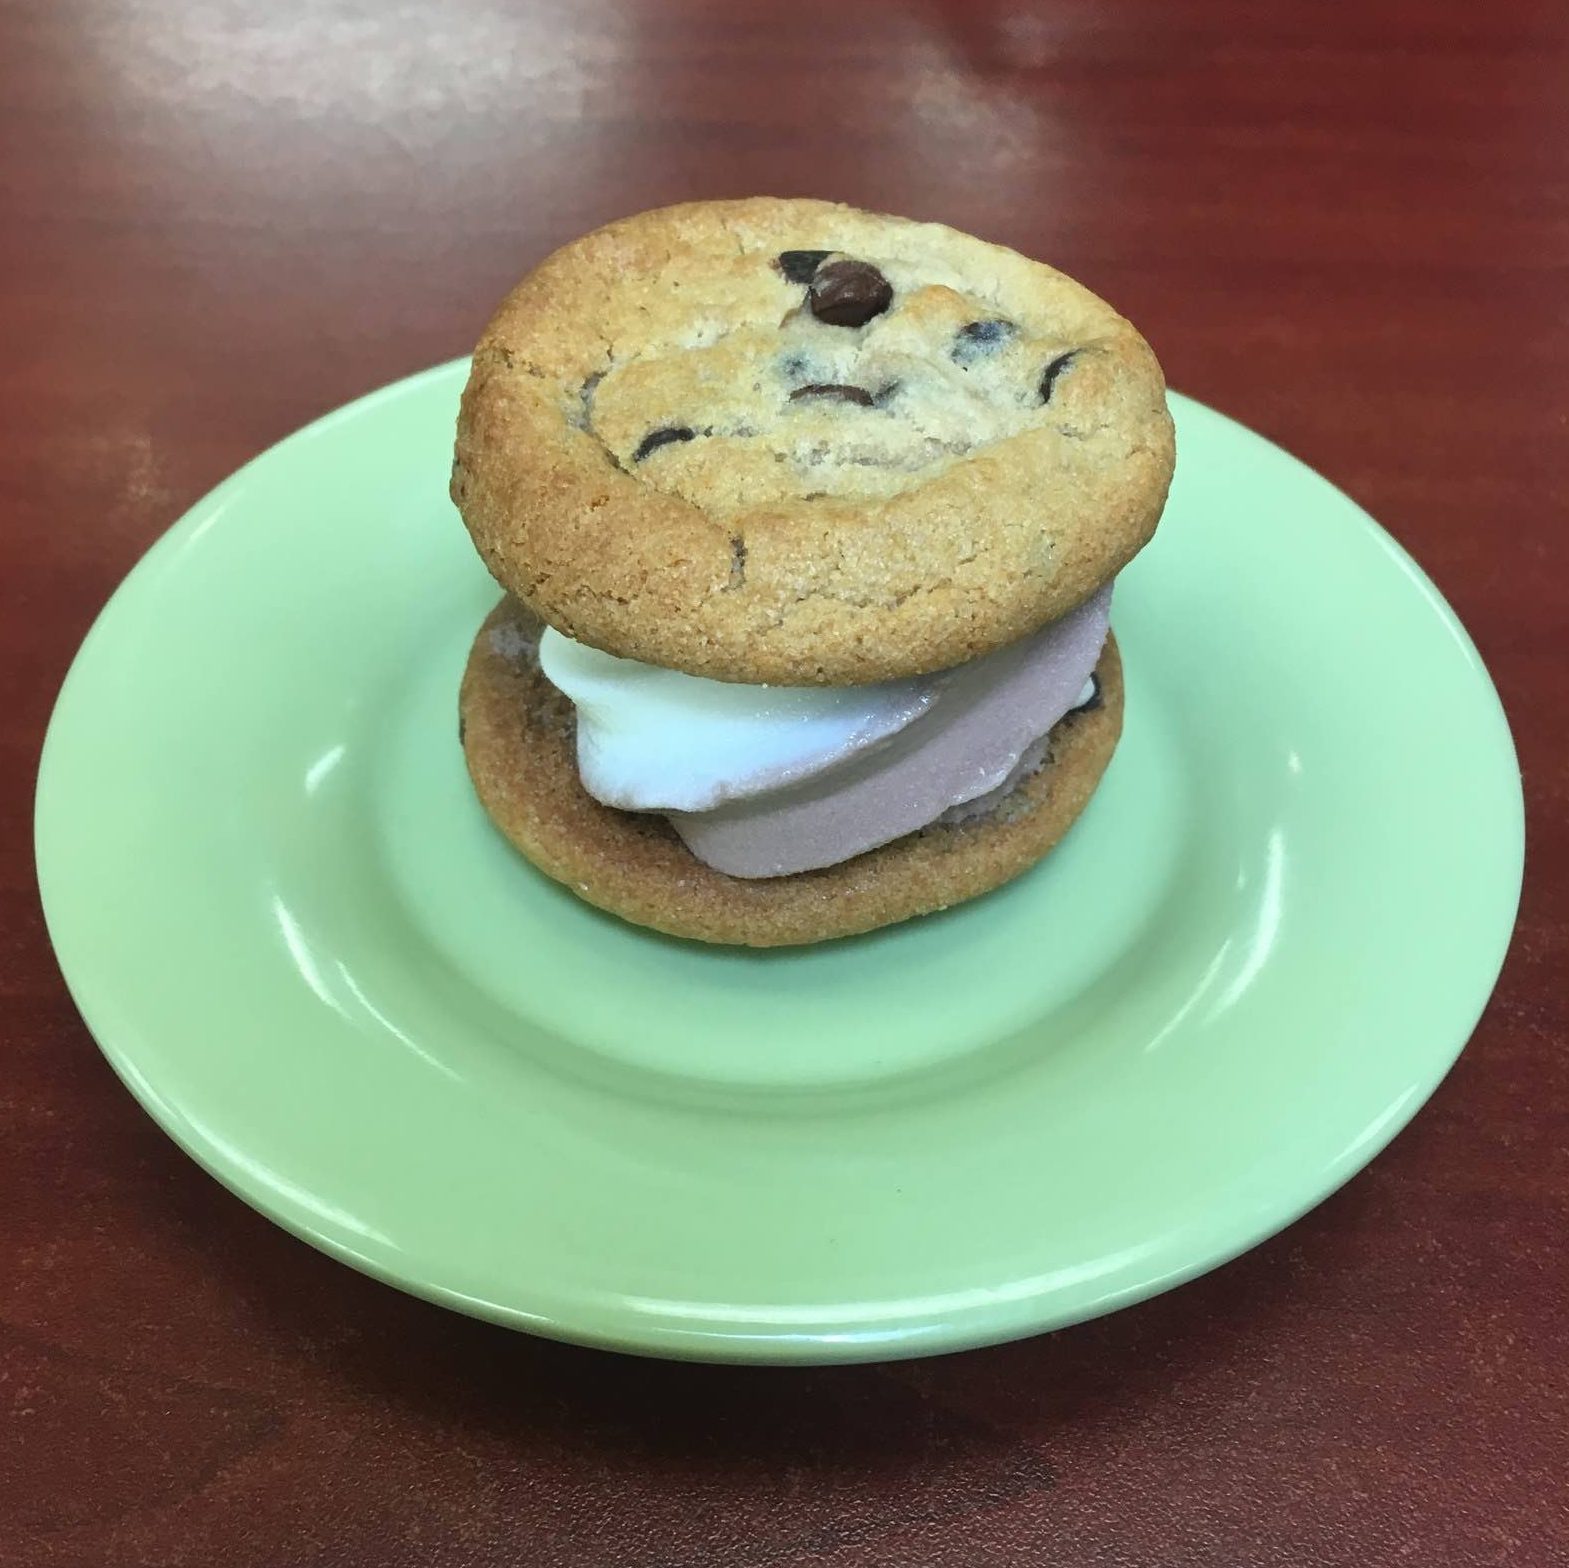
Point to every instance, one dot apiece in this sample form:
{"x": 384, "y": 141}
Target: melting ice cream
{"x": 764, "y": 781}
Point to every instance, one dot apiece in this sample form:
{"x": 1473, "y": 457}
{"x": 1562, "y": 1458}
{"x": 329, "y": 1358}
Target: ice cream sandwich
{"x": 808, "y": 520}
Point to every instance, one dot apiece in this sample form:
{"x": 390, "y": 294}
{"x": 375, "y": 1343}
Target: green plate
{"x": 301, "y": 944}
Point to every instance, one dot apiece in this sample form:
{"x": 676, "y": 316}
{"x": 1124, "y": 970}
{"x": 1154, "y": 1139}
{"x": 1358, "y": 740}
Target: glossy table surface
{"x": 1348, "y": 227}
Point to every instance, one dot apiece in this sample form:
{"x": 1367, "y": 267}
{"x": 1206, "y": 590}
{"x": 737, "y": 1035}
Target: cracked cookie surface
{"x": 783, "y": 440}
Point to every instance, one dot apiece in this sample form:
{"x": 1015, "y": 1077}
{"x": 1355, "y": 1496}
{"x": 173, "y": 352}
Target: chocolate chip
{"x": 993, "y": 330}
{"x": 843, "y": 394}
{"x": 978, "y": 338}
{"x": 849, "y": 293}
{"x": 658, "y": 438}
{"x": 1053, "y": 371}
{"x": 799, "y": 265}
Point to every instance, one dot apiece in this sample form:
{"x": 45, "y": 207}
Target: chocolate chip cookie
{"x": 789, "y": 441}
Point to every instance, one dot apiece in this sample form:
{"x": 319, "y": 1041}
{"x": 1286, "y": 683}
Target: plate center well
{"x": 904, "y": 1000}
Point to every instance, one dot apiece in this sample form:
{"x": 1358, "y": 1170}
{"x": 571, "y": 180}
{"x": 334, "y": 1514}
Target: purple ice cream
{"x": 983, "y": 731}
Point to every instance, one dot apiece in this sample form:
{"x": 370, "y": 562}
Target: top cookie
{"x": 788, "y": 441}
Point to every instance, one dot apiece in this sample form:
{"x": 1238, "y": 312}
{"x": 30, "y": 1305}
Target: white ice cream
{"x": 651, "y": 739}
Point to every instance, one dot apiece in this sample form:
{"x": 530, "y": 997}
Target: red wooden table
{"x": 1347, "y": 225}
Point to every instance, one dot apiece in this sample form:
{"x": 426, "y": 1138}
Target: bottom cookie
{"x": 519, "y": 737}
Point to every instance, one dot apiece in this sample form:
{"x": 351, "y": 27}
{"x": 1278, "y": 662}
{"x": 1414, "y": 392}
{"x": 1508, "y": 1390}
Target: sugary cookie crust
{"x": 519, "y": 738}
{"x": 789, "y": 441}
